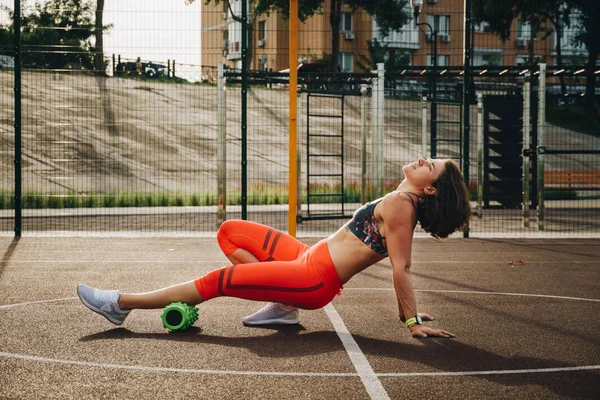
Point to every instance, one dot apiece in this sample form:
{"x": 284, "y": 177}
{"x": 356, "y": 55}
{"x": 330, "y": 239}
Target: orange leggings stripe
{"x": 290, "y": 272}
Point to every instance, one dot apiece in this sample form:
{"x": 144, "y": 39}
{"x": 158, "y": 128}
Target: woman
{"x": 271, "y": 266}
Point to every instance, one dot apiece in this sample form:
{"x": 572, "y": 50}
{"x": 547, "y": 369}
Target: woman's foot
{"x": 104, "y": 302}
{"x": 273, "y": 314}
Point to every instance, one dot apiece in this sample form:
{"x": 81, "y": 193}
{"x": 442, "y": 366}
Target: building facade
{"x": 269, "y": 39}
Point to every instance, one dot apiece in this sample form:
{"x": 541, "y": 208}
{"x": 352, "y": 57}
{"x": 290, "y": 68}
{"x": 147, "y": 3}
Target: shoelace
{"x": 105, "y": 295}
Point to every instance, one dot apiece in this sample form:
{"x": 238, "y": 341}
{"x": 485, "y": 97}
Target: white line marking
{"x": 167, "y": 369}
{"x": 360, "y": 362}
{"x": 547, "y": 296}
{"x": 35, "y": 302}
{"x": 144, "y": 368}
{"x": 496, "y": 372}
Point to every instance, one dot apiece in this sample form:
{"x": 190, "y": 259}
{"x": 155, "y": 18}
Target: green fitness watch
{"x": 416, "y": 320}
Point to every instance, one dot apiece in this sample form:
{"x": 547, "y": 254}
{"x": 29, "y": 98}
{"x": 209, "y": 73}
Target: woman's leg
{"x": 245, "y": 242}
{"x": 184, "y": 292}
{"x": 299, "y": 283}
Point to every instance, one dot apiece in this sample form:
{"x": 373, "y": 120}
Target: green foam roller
{"x": 179, "y": 316}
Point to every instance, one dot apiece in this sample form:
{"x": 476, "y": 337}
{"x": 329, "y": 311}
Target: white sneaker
{"x": 273, "y": 314}
{"x": 104, "y": 302}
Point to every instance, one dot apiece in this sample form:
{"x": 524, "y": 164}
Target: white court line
{"x": 167, "y": 369}
{"x": 27, "y": 303}
{"x": 361, "y": 364}
{"x": 496, "y": 372}
{"x": 547, "y": 296}
{"x": 144, "y": 368}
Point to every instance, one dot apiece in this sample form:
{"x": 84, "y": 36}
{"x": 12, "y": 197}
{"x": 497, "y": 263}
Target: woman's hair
{"x": 449, "y": 209}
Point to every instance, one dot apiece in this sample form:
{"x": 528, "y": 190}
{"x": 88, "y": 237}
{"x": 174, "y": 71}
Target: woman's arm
{"x": 397, "y": 214}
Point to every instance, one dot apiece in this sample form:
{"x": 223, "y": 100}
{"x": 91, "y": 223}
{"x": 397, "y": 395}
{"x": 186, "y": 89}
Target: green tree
{"x": 500, "y": 15}
{"x": 56, "y": 34}
{"x": 99, "y": 36}
{"x": 381, "y": 53}
{"x": 389, "y": 14}
{"x": 588, "y": 32}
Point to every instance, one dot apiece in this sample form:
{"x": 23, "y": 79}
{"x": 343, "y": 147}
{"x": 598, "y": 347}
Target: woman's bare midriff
{"x": 349, "y": 254}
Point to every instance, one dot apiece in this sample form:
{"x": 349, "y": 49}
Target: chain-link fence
{"x": 123, "y": 129}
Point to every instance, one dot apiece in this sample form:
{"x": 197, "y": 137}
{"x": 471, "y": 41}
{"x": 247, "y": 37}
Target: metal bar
{"x": 326, "y": 116}
{"x": 299, "y": 162}
{"x": 467, "y": 97}
{"x": 546, "y": 151}
{"x": 244, "y": 110}
{"x": 448, "y": 122}
{"x": 323, "y": 135}
{"x": 363, "y": 131}
{"x": 526, "y": 147}
{"x": 448, "y": 140}
{"x": 317, "y": 175}
{"x": 540, "y": 147}
{"x": 424, "y": 126}
{"x": 342, "y": 151}
{"x": 293, "y": 110}
{"x": 479, "y": 155}
{"x": 378, "y": 139}
{"x": 221, "y": 147}
{"x": 18, "y": 138}
{"x": 308, "y": 96}
{"x": 433, "y": 120}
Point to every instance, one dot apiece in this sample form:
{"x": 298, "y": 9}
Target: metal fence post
{"x": 526, "y": 144}
{"x": 299, "y": 160}
{"x": 540, "y": 148}
{"x": 479, "y": 155}
{"x": 374, "y": 154}
{"x": 424, "y": 127}
{"x": 363, "y": 131}
{"x": 221, "y": 147}
{"x": 17, "y": 122}
{"x": 378, "y": 137}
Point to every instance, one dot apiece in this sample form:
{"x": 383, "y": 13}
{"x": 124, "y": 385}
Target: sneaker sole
{"x": 99, "y": 311}
{"x": 276, "y": 321}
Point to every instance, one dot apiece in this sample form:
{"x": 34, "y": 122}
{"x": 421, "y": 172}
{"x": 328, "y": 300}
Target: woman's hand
{"x": 421, "y": 332}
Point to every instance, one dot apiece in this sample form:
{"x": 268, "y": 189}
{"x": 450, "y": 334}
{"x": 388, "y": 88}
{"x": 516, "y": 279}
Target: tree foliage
{"x": 381, "y": 53}
{"x": 56, "y": 34}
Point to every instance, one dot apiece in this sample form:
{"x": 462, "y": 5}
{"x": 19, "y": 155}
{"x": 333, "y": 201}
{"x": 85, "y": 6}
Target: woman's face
{"x": 423, "y": 173}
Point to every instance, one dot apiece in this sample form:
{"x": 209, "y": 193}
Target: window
{"x": 442, "y": 60}
{"x": 439, "y": 23}
{"x": 345, "y": 62}
{"x": 487, "y": 57}
{"x": 524, "y": 30}
{"x": 346, "y": 22}
{"x": 262, "y": 30}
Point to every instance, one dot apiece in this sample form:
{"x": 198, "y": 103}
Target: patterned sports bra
{"x": 364, "y": 225}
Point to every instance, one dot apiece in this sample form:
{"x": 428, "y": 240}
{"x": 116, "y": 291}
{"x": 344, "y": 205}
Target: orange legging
{"x": 289, "y": 271}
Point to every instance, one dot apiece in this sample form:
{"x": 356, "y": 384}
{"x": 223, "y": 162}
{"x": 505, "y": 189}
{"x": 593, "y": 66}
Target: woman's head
{"x": 444, "y": 208}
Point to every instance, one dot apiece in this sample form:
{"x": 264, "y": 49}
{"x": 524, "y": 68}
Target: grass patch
{"x": 258, "y": 194}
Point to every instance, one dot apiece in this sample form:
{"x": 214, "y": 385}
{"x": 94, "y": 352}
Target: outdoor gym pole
{"x": 293, "y": 111}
